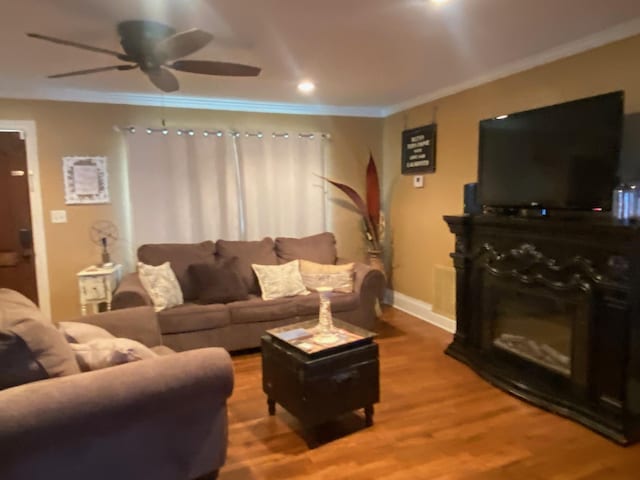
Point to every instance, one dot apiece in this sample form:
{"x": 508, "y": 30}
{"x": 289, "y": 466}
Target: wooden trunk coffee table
{"x": 319, "y": 382}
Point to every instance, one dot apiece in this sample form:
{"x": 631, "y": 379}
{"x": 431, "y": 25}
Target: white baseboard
{"x": 419, "y": 309}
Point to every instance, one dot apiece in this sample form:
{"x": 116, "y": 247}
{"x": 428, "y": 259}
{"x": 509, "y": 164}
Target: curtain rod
{"x": 217, "y": 133}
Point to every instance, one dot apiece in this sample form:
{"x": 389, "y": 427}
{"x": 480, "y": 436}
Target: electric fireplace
{"x": 548, "y": 310}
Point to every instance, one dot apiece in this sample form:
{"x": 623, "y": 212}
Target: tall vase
{"x": 375, "y": 260}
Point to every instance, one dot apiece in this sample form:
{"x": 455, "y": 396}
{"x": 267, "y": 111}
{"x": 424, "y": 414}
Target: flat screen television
{"x": 562, "y": 156}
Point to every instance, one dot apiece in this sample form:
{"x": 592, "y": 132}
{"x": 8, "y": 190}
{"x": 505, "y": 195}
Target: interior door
{"x": 17, "y": 261}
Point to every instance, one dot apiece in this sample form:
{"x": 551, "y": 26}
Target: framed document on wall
{"x": 419, "y": 150}
{"x": 85, "y": 180}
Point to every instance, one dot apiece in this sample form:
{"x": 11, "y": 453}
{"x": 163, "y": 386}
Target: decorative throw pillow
{"x": 278, "y": 281}
{"x": 78, "y": 332}
{"x": 107, "y": 352}
{"x": 219, "y": 282}
{"x": 338, "y": 277}
{"x": 30, "y": 349}
{"x": 161, "y": 284}
{"x": 248, "y": 252}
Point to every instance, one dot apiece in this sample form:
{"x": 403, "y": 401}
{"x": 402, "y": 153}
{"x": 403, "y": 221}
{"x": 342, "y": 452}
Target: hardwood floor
{"x": 436, "y": 420}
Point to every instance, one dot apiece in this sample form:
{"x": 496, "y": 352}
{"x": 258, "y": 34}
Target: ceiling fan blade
{"x": 207, "y": 67}
{"x": 93, "y": 70}
{"x": 182, "y": 44}
{"x": 163, "y": 79}
{"x": 77, "y": 45}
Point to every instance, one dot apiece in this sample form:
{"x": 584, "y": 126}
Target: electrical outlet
{"x": 58, "y": 216}
{"x": 418, "y": 181}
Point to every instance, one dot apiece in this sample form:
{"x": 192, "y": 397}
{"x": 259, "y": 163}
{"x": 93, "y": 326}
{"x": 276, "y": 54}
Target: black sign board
{"x": 419, "y": 150}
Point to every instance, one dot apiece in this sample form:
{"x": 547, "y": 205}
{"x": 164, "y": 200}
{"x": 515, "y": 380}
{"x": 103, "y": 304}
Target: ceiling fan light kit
{"x": 155, "y": 48}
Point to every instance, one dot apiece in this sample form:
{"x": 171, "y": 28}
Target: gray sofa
{"x": 163, "y": 418}
{"x": 240, "y": 324}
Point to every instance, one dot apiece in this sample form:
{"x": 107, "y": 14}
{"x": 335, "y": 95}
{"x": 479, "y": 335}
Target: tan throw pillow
{"x": 78, "y": 332}
{"x": 277, "y": 281}
{"x": 108, "y": 352}
{"x": 161, "y": 284}
{"x": 337, "y": 277}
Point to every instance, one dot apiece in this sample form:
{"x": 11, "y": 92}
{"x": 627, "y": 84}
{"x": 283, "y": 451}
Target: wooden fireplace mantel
{"x": 591, "y": 264}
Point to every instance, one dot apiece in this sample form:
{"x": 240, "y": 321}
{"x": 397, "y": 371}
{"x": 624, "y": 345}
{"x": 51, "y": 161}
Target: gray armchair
{"x": 162, "y": 418}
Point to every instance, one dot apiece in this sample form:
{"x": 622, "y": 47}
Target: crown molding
{"x": 619, "y": 32}
{"x": 201, "y": 103}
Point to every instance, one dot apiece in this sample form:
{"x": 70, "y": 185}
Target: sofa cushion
{"x": 78, "y": 332}
{"x": 16, "y": 305}
{"x": 261, "y": 252}
{"x": 338, "y": 277}
{"x": 180, "y": 255}
{"x": 162, "y": 350}
{"x": 257, "y": 310}
{"x": 219, "y": 282}
{"x": 192, "y": 317}
{"x": 108, "y": 352}
{"x": 161, "y": 284}
{"x": 30, "y": 348}
{"x": 340, "y": 302}
{"x": 320, "y": 248}
{"x": 277, "y": 281}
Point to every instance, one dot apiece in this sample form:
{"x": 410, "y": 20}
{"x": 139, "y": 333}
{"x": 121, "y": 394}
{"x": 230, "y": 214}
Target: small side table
{"x": 96, "y": 285}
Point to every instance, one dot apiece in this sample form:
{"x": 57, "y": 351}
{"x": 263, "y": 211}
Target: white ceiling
{"x": 367, "y": 57}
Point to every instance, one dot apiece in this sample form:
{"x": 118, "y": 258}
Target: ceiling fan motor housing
{"x": 138, "y": 39}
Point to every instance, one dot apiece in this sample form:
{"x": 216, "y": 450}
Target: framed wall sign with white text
{"x": 419, "y": 150}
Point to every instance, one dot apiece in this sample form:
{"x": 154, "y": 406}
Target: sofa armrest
{"x": 138, "y": 323}
{"x": 369, "y": 283}
{"x": 159, "y": 418}
{"x": 130, "y": 293}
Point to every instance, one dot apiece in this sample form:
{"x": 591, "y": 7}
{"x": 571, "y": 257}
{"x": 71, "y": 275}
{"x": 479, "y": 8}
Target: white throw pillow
{"x": 277, "y": 281}
{"x": 78, "y": 332}
{"x": 161, "y": 284}
{"x": 337, "y": 277}
{"x": 107, "y": 352}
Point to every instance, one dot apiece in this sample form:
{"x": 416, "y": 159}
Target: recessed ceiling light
{"x": 439, "y": 2}
{"x": 306, "y": 86}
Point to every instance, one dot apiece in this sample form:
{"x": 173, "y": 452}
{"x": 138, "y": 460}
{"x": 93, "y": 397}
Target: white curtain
{"x": 282, "y": 195}
{"x": 182, "y": 188}
{"x": 189, "y": 188}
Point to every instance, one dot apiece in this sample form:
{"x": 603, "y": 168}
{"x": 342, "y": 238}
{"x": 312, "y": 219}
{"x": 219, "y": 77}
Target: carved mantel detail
{"x": 528, "y": 265}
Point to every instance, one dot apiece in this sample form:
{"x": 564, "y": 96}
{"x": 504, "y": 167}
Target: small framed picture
{"x": 419, "y": 150}
{"x": 85, "y": 180}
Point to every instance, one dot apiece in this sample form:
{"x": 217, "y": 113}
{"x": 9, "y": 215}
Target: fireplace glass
{"x": 534, "y": 326}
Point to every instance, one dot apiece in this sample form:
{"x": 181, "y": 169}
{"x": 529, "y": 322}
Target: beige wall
{"x": 419, "y": 237}
{"x": 67, "y": 128}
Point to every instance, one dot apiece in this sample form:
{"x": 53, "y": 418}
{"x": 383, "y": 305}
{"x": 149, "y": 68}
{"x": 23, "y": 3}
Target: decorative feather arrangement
{"x": 370, "y": 210}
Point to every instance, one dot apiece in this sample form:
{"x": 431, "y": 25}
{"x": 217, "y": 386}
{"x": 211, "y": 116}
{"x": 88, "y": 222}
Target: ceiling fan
{"x": 155, "y": 48}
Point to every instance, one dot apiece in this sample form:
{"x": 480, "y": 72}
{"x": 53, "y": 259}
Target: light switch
{"x": 58, "y": 216}
{"x": 418, "y": 181}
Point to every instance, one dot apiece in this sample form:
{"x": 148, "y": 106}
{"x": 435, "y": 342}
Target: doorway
{"x": 23, "y": 259}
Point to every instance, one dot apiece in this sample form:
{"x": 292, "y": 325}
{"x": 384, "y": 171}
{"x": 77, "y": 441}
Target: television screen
{"x": 563, "y": 156}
